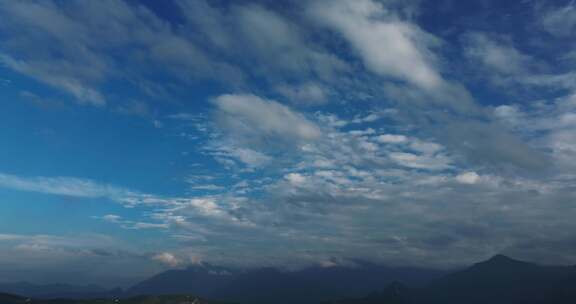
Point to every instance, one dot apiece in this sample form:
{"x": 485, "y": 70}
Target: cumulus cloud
{"x": 395, "y": 49}
{"x": 167, "y": 259}
{"x": 387, "y": 46}
{"x": 468, "y": 178}
{"x": 295, "y": 178}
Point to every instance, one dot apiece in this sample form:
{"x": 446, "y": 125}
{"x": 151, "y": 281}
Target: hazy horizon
{"x": 142, "y": 136}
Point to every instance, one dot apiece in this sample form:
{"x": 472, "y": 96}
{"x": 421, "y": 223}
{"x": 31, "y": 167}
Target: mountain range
{"x": 51, "y": 291}
{"x": 499, "y": 280}
{"x": 270, "y": 285}
{"x": 168, "y": 299}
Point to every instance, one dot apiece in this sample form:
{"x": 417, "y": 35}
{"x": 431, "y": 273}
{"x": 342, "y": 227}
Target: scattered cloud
{"x": 254, "y": 119}
{"x": 305, "y": 94}
{"x": 370, "y": 28}
{"x": 497, "y": 54}
{"x": 560, "y": 22}
{"x": 468, "y": 178}
{"x": 167, "y": 259}
{"x": 67, "y": 186}
{"x": 347, "y": 132}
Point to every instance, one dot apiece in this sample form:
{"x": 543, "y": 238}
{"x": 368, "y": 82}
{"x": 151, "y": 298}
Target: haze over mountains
{"x": 266, "y": 285}
{"x": 499, "y": 280}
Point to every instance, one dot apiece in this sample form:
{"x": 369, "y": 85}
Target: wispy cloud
{"x": 67, "y": 186}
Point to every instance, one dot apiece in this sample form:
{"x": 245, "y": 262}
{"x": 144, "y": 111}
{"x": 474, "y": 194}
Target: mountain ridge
{"x": 309, "y": 285}
{"x": 497, "y": 280}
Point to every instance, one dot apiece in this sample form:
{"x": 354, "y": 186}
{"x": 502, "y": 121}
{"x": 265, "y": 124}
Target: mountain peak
{"x": 501, "y": 262}
{"x": 500, "y": 258}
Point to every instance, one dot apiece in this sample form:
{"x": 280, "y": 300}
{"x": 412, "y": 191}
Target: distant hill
{"x": 12, "y": 299}
{"x": 394, "y": 293}
{"x": 269, "y": 285}
{"x": 174, "y": 299}
{"x": 202, "y": 280}
{"x": 499, "y": 280}
{"x": 50, "y": 291}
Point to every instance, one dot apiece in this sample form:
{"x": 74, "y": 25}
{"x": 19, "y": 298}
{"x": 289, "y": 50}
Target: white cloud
{"x": 391, "y": 138}
{"x": 560, "y": 22}
{"x": 468, "y": 178}
{"x": 112, "y": 218}
{"x": 324, "y": 182}
{"x": 280, "y": 44}
{"x": 425, "y": 147}
{"x": 251, "y": 157}
{"x": 295, "y": 178}
{"x": 497, "y": 55}
{"x": 372, "y": 117}
{"x": 77, "y": 47}
{"x": 207, "y": 187}
{"x": 498, "y": 59}
{"x": 10, "y": 237}
{"x": 306, "y": 94}
{"x": 134, "y": 225}
{"x": 227, "y": 152}
{"x": 50, "y": 73}
{"x": 167, "y": 259}
{"x": 510, "y": 114}
{"x": 202, "y": 207}
{"x": 429, "y": 162}
{"x": 387, "y": 46}
{"x": 68, "y": 186}
{"x": 253, "y": 118}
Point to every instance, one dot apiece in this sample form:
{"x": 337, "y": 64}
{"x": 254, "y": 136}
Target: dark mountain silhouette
{"x": 269, "y": 285}
{"x": 48, "y": 291}
{"x": 499, "y": 280}
{"x": 170, "y": 299}
{"x": 202, "y": 280}
{"x": 11, "y": 299}
{"x": 394, "y": 293}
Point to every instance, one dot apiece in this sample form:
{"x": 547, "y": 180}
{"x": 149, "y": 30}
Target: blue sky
{"x": 138, "y": 136}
